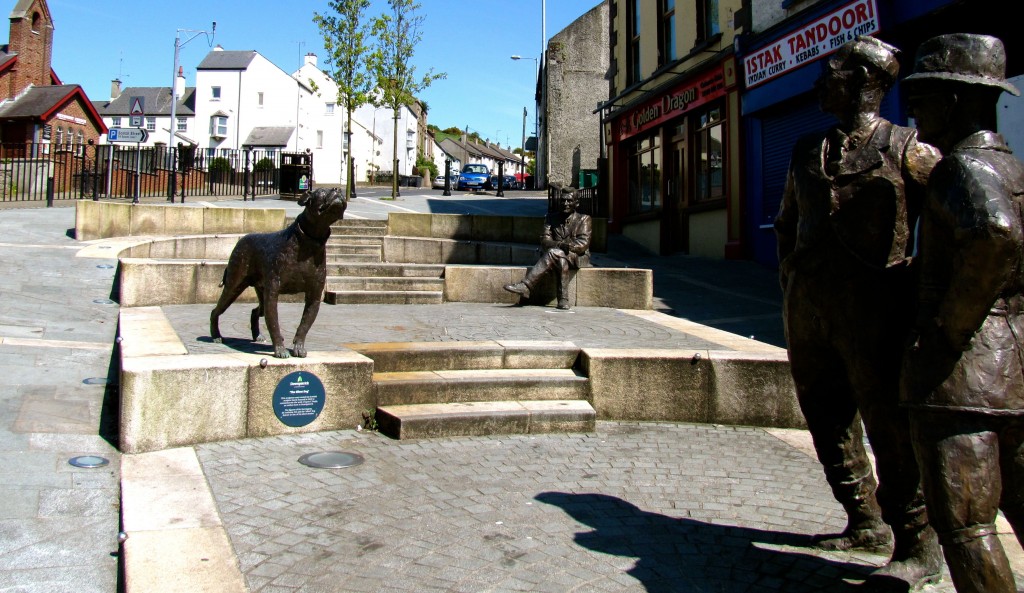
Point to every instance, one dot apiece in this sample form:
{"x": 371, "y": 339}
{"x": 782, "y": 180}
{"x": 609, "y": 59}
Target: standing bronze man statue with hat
{"x": 964, "y": 373}
{"x": 845, "y": 235}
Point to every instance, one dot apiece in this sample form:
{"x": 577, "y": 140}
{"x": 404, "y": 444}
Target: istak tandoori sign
{"x": 689, "y": 95}
{"x": 811, "y": 42}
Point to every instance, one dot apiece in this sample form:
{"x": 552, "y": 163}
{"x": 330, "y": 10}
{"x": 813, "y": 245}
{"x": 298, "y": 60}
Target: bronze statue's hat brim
{"x": 962, "y": 57}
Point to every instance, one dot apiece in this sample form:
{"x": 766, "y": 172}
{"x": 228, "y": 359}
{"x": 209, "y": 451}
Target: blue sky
{"x": 96, "y": 41}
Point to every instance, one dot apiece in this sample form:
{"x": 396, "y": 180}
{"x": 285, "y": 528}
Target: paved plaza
{"x": 631, "y": 507}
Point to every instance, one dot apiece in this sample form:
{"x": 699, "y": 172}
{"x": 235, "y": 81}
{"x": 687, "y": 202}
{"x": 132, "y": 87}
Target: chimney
{"x": 310, "y": 60}
{"x": 179, "y": 84}
{"x": 115, "y": 89}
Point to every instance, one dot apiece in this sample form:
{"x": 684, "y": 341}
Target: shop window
{"x": 707, "y": 20}
{"x": 633, "y": 47}
{"x": 667, "y": 31}
{"x": 645, "y": 176}
{"x": 708, "y": 150}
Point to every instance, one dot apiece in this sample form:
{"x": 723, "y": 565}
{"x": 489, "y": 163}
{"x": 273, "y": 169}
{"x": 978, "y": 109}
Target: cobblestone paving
{"x": 633, "y": 507}
{"x": 592, "y": 327}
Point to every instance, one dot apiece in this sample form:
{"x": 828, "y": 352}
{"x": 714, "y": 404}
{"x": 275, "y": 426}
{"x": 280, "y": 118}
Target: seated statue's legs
{"x": 549, "y": 260}
{"x": 563, "y": 283}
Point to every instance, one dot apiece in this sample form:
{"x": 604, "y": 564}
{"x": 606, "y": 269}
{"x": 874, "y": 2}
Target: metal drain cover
{"x": 331, "y": 459}
{"x": 89, "y": 461}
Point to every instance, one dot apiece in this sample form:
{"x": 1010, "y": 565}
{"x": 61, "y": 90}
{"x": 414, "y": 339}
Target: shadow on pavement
{"x": 681, "y": 555}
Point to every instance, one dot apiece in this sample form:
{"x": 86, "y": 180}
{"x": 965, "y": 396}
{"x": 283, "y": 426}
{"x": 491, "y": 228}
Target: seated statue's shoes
{"x": 563, "y": 304}
{"x": 519, "y": 288}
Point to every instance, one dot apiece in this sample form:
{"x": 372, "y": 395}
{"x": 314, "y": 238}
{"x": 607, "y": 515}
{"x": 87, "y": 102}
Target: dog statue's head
{"x": 324, "y": 205}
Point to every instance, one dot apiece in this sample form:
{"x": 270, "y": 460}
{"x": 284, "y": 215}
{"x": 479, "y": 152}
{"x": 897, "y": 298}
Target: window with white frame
{"x": 115, "y": 122}
{"x": 215, "y": 93}
{"x": 219, "y": 126}
{"x": 319, "y": 138}
{"x": 259, "y": 99}
{"x": 151, "y": 124}
{"x": 330, "y": 109}
{"x": 182, "y": 125}
{"x": 60, "y": 136}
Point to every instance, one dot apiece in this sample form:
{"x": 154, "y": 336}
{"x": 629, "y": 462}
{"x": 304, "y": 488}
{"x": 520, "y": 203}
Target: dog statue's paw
{"x": 299, "y": 350}
{"x": 281, "y": 352}
{"x": 218, "y": 340}
{"x": 262, "y": 339}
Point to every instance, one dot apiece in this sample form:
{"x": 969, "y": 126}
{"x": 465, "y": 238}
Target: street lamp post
{"x": 536, "y": 122}
{"x": 178, "y": 43}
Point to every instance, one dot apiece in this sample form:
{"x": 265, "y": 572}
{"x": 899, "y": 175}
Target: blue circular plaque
{"x": 299, "y": 398}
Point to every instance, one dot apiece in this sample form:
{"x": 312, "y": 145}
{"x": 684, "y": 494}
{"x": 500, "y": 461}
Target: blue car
{"x": 474, "y": 177}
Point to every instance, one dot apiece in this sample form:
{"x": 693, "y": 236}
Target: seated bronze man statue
{"x": 566, "y": 239}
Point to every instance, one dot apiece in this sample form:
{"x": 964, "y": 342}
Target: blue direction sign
{"x": 127, "y": 135}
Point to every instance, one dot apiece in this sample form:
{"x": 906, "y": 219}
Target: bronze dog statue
{"x": 289, "y": 261}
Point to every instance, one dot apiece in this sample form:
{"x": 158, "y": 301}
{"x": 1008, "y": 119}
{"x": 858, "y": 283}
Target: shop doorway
{"x": 675, "y": 226}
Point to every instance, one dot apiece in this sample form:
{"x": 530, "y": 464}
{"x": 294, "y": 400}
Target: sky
{"x": 96, "y": 41}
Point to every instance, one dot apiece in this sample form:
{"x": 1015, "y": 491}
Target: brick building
{"x": 35, "y": 107}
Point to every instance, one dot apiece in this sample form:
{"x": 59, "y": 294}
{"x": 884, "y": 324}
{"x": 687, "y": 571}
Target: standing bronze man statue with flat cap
{"x": 845, "y": 234}
{"x": 964, "y": 373}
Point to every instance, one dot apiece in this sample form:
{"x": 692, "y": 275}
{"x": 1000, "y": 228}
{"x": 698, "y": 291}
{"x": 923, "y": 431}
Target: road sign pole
{"x": 138, "y": 171}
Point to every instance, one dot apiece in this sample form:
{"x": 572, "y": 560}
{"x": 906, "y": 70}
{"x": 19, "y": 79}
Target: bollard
{"x": 447, "y": 177}
{"x": 501, "y": 180}
{"x": 49, "y": 192}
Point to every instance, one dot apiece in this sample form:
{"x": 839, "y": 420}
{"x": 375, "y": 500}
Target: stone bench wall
{"x": 103, "y": 220}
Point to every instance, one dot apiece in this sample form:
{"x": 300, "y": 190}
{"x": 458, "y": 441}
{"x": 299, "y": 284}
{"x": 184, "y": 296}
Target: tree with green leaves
{"x": 398, "y": 32}
{"x": 347, "y": 42}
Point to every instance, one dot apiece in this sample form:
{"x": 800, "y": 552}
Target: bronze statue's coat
{"x": 289, "y": 261}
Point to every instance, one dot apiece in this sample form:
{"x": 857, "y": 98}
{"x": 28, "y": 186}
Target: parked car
{"x": 438, "y": 182}
{"x": 474, "y": 176}
{"x": 510, "y": 182}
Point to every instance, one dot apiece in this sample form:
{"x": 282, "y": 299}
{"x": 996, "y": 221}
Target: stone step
{"x": 384, "y": 283}
{"x": 367, "y": 231}
{"x": 354, "y": 240}
{"x": 485, "y": 418}
{"x": 352, "y": 249}
{"x": 351, "y": 258}
{"x": 385, "y": 269}
{"x": 360, "y": 222}
{"x": 383, "y": 297}
{"x": 478, "y": 385}
{"x": 390, "y": 357}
